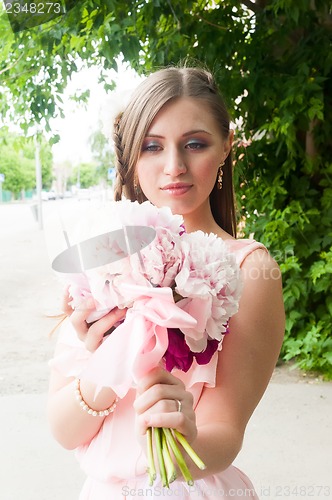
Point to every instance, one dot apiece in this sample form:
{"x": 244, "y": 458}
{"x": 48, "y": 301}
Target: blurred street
{"x": 287, "y": 449}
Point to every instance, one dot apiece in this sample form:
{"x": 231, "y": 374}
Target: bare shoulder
{"x": 250, "y": 351}
{"x": 262, "y": 298}
{"x": 260, "y": 265}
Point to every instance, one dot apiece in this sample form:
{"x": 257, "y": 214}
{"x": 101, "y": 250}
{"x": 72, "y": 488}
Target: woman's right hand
{"x": 91, "y": 334}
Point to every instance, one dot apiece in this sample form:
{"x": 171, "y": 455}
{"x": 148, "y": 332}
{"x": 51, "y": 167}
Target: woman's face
{"x": 180, "y": 157}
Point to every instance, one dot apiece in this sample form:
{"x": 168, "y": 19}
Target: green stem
{"x": 151, "y": 464}
{"x": 161, "y": 463}
{"x": 193, "y": 455}
{"x": 171, "y": 470}
{"x": 179, "y": 457}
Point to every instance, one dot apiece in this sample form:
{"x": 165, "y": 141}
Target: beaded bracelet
{"x": 87, "y": 408}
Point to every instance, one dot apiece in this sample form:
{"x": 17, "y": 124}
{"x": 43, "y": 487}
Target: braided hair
{"x": 120, "y": 168}
{"x": 131, "y": 126}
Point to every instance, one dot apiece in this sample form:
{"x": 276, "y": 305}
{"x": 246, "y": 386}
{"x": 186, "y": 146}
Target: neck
{"x": 204, "y": 221}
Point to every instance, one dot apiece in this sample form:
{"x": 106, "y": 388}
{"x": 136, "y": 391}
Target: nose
{"x": 174, "y": 163}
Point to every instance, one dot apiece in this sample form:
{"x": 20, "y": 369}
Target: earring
{"x": 137, "y": 187}
{"x": 220, "y": 174}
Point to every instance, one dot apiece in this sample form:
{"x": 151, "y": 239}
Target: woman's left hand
{"x": 163, "y": 401}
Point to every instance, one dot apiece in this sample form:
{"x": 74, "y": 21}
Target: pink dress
{"x": 114, "y": 462}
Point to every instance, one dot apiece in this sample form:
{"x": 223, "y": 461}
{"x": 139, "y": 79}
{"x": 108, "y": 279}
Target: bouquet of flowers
{"x": 180, "y": 290}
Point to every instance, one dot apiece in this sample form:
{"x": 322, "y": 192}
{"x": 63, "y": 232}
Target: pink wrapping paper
{"x": 139, "y": 343}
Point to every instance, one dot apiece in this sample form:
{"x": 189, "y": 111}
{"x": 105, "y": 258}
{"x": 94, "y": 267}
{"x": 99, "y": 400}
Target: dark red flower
{"x": 203, "y": 358}
{"x": 178, "y": 354}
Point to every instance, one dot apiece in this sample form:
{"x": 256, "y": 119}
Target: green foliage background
{"x": 17, "y": 162}
{"x": 272, "y": 60}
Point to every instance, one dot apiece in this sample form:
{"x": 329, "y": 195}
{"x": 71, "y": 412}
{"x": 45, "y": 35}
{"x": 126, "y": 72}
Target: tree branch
{"x": 211, "y": 24}
{"x": 310, "y": 147}
{"x": 17, "y": 75}
{"x": 11, "y": 66}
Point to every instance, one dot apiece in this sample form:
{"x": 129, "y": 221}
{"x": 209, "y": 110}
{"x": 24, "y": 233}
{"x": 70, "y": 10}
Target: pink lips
{"x": 177, "y": 188}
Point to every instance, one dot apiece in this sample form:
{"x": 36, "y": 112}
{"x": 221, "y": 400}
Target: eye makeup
{"x": 150, "y": 146}
{"x": 195, "y": 144}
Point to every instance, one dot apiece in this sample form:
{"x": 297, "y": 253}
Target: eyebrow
{"x": 191, "y": 132}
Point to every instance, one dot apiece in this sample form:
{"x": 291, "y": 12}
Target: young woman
{"x": 173, "y": 145}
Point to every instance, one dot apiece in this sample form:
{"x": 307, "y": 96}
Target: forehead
{"x": 185, "y": 113}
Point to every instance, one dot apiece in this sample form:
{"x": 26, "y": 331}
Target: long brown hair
{"x": 131, "y": 127}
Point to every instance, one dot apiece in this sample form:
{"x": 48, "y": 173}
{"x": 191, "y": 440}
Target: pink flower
{"x": 210, "y": 278}
{"x": 158, "y": 263}
{"x": 162, "y": 259}
{"x": 197, "y": 266}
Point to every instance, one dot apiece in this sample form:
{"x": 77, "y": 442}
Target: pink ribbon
{"x": 139, "y": 343}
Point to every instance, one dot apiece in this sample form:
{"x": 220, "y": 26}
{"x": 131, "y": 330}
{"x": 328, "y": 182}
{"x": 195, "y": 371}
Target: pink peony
{"x": 210, "y": 277}
{"x": 158, "y": 263}
{"x": 197, "y": 266}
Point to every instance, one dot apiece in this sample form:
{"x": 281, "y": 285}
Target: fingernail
{"x": 121, "y": 312}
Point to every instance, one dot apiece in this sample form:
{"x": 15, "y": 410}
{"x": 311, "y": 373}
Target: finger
{"x": 170, "y": 406}
{"x": 66, "y": 298}
{"x": 79, "y": 316}
{"x": 157, "y": 376}
{"x": 164, "y": 398}
{"x": 96, "y": 332}
{"x": 173, "y": 420}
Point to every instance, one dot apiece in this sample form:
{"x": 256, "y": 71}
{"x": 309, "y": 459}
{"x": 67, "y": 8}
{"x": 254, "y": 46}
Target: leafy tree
{"x": 84, "y": 175}
{"x": 17, "y": 162}
{"x": 19, "y": 172}
{"x": 273, "y": 60}
{"x": 102, "y": 152}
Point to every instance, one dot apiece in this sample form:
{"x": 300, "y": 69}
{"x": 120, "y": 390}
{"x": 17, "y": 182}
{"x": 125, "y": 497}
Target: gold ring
{"x": 179, "y": 404}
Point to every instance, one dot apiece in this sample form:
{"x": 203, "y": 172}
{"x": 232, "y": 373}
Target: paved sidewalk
{"x": 287, "y": 450}
{"x": 288, "y": 446}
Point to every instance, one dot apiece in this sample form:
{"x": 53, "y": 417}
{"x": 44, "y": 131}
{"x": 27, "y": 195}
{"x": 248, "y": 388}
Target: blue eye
{"x": 195, "y": 145}
{"x": 151, "y": 146}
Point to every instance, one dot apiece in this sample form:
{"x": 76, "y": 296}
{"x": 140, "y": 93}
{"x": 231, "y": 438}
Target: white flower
{"x": 210, "y": 276}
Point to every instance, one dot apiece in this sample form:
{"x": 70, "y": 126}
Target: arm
{"x": 70, "y": 425}
{"x": 246, "y": 363}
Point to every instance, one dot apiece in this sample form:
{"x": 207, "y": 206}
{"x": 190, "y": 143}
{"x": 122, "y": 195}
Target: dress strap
{"x": 244, "y": 247}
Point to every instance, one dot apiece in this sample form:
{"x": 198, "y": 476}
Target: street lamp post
{"x": 2, "y": 179}
{"x": 38, "y": 182}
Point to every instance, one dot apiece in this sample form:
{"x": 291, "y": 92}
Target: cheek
{"x": 147, "y": 179}
{"x": 144, "y": 174}
{"x": 208, "y": 171}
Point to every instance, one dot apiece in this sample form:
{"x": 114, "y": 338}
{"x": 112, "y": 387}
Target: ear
{"x": 228, "y": 143}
